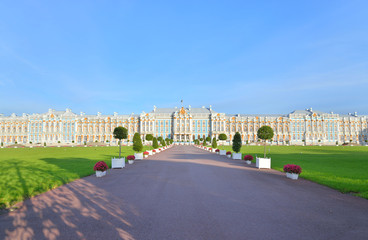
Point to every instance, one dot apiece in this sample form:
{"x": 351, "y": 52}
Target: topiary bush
{"x": 222, "y": 137}
{"x": 149, "y": 137}
{"x": 214, "y": 143}
{"x": 137, "y": 143}
{"x": 120, "y": 133}
{"x": 154, "y": 143}
{"x": 237, "y": 142}
{"x": 265, "y": 133}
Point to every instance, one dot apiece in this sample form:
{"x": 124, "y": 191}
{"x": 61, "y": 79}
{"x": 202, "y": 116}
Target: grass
{"x": 344, "y": 168}
{"x": 27, "y": 172}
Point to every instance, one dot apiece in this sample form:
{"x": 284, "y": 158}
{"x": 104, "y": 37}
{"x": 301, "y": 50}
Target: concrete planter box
{"x": 100, "y": 173}
{"x": 213, "y": 150}
{"x": 293, "y": 176}
{"x": 237, "y": 156}
{"x": 223, "y": 152}
{"x": 138, "y": 156}
{"x": 117, "y": 162}
{"x": 263, "y": 163}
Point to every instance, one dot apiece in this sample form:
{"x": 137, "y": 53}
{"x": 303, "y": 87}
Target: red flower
{"x": 291, "y": 168}
{"x": 145, "y": 153}
{"x": 217, "y": 150}
{"x": 248, "y": 157}
{"x": 228, "y": 153}
{"x": 130, "y": 157}
{"x": 100, "y": 166}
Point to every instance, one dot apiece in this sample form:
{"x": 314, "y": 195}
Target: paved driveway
{"x": 187, "y": 193}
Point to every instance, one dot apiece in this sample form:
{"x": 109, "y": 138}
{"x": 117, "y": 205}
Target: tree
{"x": 204, "y": 142}
{"x": 149, "y": 137}
{"x": 137, "y": 143}
{"x": 265, "y": 133}
{"x": 208, "y": 139}
{"x": 222, "y": 137}
{"x": 120, "y": 133}
{"x": 167, "y": 141}
{"x": 214, "y": 143}
{"x": 155, "y": 143}
{"x": 237, "y": 142}
{"x": 159, "y": 138}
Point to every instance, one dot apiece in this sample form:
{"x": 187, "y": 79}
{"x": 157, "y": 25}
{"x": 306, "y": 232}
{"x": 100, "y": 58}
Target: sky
{"x": 243, "y": 57}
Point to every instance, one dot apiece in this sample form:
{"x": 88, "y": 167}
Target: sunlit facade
{"x": 183, "y": 124}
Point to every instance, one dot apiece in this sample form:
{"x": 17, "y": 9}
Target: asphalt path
{"x": 188, "y": 193}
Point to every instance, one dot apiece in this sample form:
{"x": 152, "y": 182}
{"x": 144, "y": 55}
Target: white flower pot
{"x": 248, "y": 162}
{"x": 100, "y": 173}
{"x": 150, "y": 152}
{"x": 138, "y": 156}
{"x": 263, "y": 163}
{"x": 117, "y": 162}
{"x": 145, "y": 156}
{"x": 237, "y": 156}
{"x": 130, "y": 161}
{"x": 228, "y": 155}
{"x": 213, "y": 150}
{"x": 293, "y": 176}
{"x": 223, "y": 152}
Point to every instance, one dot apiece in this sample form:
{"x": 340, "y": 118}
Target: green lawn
{"x": 344, "y": 168}
{"x": 26, "y": 172}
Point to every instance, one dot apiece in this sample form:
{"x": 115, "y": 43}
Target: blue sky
{"x": 238, "y": 56}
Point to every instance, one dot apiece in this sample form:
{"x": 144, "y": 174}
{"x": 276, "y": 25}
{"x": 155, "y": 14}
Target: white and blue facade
{"x": 183, "y": 124}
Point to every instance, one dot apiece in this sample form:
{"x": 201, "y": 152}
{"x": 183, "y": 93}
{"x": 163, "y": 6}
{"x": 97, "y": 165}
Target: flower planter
{"x": 228, "y": 156}
{"x": 263, "y": 163}
{"x": 293, "y": 176}
{"x": 223, "y": 152}
{"x": 150, "y": 152}
{"x": 237, "y": 156}
{"x": 130, "y": 161}
{"x": 117, "y": 162}
{"x": 100, "y": 173}
{"x": 138, "y": 156}
{"x": 145, "y": 156}
{"x": 248, "y": 162}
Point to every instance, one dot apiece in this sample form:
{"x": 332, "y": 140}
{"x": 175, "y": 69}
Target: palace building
{"x": 183, "y": 124}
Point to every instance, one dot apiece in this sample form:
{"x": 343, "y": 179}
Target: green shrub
{"x": 155, "y": 143}
{"x": 214, "y": 143}
{"x": 222, "y": 137}
{"x": 208, "y": 139}
{"x": 137, "y": 143}
{"x": 237, "y": 142}
{"x": 149, "y": 137}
